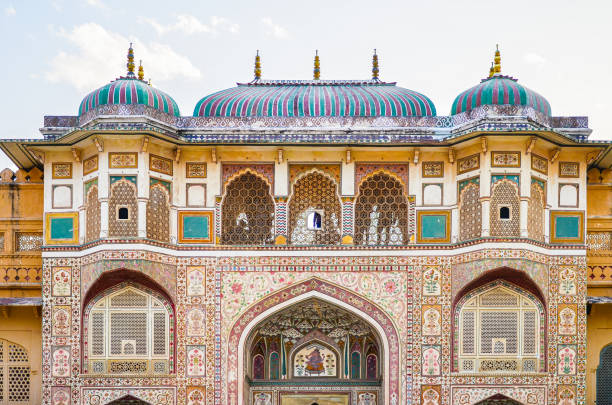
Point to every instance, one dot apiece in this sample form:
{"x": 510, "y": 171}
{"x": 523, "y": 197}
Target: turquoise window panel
{"x": 567, "y": 227}
{"x": 433, "y": 226}
{"x": 62, "y": 228}
{"x": 196, "y": 227}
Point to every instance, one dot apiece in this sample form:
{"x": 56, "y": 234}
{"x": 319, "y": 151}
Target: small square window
{"x": 314, "y": 220}
{"x": 505, "y": 212}
{"x": 123, "y": 213}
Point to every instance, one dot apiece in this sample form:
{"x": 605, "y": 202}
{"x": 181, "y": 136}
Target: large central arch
{"x": 325, "y": 291}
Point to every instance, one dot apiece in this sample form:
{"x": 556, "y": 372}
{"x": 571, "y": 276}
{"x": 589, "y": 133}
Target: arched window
{"x": 604, "y": 377}
{"x": 381, "y": 212}
{"x": 158, "y": 212}
{"x": 123, "y": 207}
{"x": 505, "y": 207}
{"x": 537, "y": 204}
{"x": 92, "y": 211}
{"x": 314, "y": 196}
{"x": 470, "y": 210}
{"x": 247, "y": 212}
{"x": 498, "y": 330}
{"x": 129, "y": 331}
{"x": 14, "y": 373}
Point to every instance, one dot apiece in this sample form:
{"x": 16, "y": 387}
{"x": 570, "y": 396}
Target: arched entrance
{"x": 381, "y": 330}
{"x": 498, "y": 399}
{"x": 128, "y": 400}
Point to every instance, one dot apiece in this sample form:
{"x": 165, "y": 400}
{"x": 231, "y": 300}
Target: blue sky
{"x": 56, "y": 51}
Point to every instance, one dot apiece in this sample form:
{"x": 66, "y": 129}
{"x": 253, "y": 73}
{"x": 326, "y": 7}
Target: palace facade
{"x": 302, "y": 242}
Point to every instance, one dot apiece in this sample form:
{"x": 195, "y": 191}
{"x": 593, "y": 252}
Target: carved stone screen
{"x": 381, "y": 212}
{"x": 314, "y": 192}
{"x": 247, "y": 212}
{"x": 123, "y": 195}
{"x": 470, "y": 212}
{"x": 14, "y": 374}
{"x": 535, "y": 224}
{"x": 158, "y": 213}
{"x": 504, "y": 194}
{"x": 92, "y": 214}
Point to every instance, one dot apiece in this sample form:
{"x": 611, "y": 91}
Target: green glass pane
{"x": 61, "y": 228}
{"x": 195, "y": 227}
{"x": 567, "y": 227}
{"x": 433, "y": 226}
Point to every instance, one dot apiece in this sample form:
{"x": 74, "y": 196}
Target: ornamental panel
{"x": 470, "y": 210}
{"x": 92, "y": 211}
{"x": 505, "y": 209}
{"x": 537, "y": 204}
{"x": 123, "y": 194}
{"x": 158, "y": 211}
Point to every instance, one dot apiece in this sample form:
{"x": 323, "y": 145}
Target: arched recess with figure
{"x": 315, "y": 351}
{"x": 128, "y": 326}
{"x": 499, "y": 325}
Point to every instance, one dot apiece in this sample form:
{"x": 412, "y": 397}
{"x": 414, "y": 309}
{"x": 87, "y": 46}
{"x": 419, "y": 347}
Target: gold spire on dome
{"x": 497, "y": 60}
{"x": 257, "y": 66}
{"x": 375, "y": 69}
{"x": 317, "y": 66}
{"x": 491, "y": 71}
{"x": 130, "y": 61}
{"x": 140, "y": 72}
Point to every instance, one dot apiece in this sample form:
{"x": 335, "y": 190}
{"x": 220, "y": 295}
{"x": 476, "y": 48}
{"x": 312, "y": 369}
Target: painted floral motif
{"x": 196, "y": 322}
{"x": 431, "y": 321}
{"x": 567, "y": 395}
{"x": 567, "y": 281}
{"x": 196, "y": 281}
{"x": 431, "y": 397}
{"x": 61, "y": 363}
{"x": 60, "y": 396}
{"x": 196, "y": 363}
{"x": 366, "y": 398}
{"x": 262, "y": 398}
{"x": 567, "y": 359}
{"x": 61, "y": 281}
{"x": 431, "y": 361}
{"x": 431, "y": 281}
{"x": 567, "y": 321}
{"x": 196, "y": 397}
{"x": 61, "y": 321}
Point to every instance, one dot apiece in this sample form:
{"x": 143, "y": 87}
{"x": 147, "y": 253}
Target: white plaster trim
{"x": 332, "y": 300}
{"x": 308, "y": 252}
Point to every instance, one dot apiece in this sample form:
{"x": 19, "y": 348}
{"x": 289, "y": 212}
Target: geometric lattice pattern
{"x": 158, "y": 213}
{"x": 604, "y": 377}
{"x": 381, "y": 212}
{"x": 123, "y": 194}
{"x": 505, "y": 193}
{"x": 314, "y": 192}
{"x": 470, "y": 212}
{"x": 28, "y": 241}
{"x": 247, "y": 212}
{"x": 14, "y": 373}
{"x": 92, "y": 214}
{"x": 535, "y": 224}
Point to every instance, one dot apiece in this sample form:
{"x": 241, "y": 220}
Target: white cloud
{"x": 10, "y": 11}
{"x": 99, "y": 57}
{"x": 273, "y": 29}
{"x": 96, "y": 3}
{"x": 534, "y": 59}
{"x": 189, "y": 25}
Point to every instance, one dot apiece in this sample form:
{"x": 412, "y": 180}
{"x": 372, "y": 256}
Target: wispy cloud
{"x": 273, "y": 29}
{"x": 189, "y": 25}
{"x": 96, "y": 3}
{"x": 534, "y": 59}
{"x": 10, "y": 11}
{"x": 100, "y": 57}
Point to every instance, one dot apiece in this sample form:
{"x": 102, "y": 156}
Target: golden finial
{"x": 497, "y": 60}
{"x": 375, "y": 66}
{"x": 149, "y": 82}
{"x": 491, "y": 71}
{"x": 257, "y": 66}
{"x": 130, "y": 61}
{"x": 317, "y": 66}
{"x": 140, "y": 72}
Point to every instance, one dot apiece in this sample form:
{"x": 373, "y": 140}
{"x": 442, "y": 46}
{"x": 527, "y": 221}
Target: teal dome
{"x": 129, "y": 90}
{"x": 499, "y": 90}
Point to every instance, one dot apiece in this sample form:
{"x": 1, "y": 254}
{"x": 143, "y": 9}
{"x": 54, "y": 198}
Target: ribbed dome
{"x": 129, "y": 90}
{"x": 499, "y": 90}
{"x": 315, "y": 98}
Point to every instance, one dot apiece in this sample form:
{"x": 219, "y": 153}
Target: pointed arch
{"x": 247, "y": 210}
{"x": 327, "y": 292}
{"x": 315, "y": 191}
{"x": 381, "y": 210}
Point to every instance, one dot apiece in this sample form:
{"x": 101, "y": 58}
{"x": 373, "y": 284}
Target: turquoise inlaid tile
{"x": 196, "y": 227}
{"x": 114, "y": 179}
{"x": 567, "y": 227}
{"x": 512, "y": 177}
{"x": 433, "y": 226}
{"x": 538, "y": 182}
{"x": 465, "y": 183}
{"x": 166, "y": 184}
{"x": 62, "y": 228}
